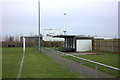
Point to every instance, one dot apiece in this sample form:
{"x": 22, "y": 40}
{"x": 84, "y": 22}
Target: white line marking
{"x": 20, "y": 67}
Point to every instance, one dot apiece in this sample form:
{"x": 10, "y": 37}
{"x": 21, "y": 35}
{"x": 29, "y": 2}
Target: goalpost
{"x": 23, "y": 44}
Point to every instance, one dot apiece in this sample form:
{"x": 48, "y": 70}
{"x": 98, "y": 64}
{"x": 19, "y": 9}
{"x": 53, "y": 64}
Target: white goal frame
{"x": 23, "y": 44}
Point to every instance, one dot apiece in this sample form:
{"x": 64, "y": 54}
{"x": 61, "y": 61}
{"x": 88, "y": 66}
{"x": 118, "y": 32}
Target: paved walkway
{"x": 83, "y": 53}
{"x": 76, "y": 67}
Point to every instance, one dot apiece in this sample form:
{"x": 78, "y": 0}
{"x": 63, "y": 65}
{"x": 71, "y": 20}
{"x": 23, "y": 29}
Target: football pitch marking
{"x": 20, "y": 67}
{"x": 19, "y": 74}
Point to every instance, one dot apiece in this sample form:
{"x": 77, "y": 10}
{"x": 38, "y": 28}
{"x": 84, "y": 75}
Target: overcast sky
{"x": 85, "y": 17}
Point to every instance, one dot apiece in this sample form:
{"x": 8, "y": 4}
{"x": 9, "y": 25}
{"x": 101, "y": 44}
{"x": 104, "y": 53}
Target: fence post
{"x": 95, "y": 44}
{"x": 112, "y": 46}
{"x": 100, "y": 45}
{"x": 106, "y": 45}
{"x": 96, "y": 70}
{"x": 71, "y": 63}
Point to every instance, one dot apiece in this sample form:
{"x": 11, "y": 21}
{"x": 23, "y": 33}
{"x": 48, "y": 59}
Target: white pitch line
{"x": 20, "y": 67}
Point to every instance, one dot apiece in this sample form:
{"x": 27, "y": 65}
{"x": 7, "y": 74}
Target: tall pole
{"x": 23, "y": 44}
{"x": 39, "y": 25}
{"x": 64, "y": 24}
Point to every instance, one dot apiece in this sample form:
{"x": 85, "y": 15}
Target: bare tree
{"x": 11, "y": 38}
{"x": 21, "y": 38}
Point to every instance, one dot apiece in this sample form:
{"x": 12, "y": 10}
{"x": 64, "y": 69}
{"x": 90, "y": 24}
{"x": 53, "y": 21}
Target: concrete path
{"x": 79, "y": 53}
{"x": 88, "y": 72}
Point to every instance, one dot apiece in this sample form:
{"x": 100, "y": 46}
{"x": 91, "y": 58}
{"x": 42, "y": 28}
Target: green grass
{"x": 53, "y": 48}
{"x": 106, "y": 58}
{"x": 35, "y": 65}
{"x": 38, "y": 65}
{"x": 11, "y": 58}
{"x": 104, "y": 52}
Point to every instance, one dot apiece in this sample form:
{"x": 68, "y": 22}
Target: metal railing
{"x": 72, "y": 56}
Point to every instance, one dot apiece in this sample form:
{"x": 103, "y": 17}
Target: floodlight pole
{"x": 39, "y": 25}
{"x": 64, "y": 24}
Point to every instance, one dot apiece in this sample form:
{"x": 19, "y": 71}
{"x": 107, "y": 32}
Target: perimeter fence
{"x": 69, "y": 61}
{"x": 107, "y": 45}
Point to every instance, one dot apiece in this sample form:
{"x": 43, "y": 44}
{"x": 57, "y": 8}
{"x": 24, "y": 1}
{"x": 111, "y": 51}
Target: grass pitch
{"x": 35, "y": 65}
{"x": 110, "y": 59}
{"x": 11, "y": 59}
